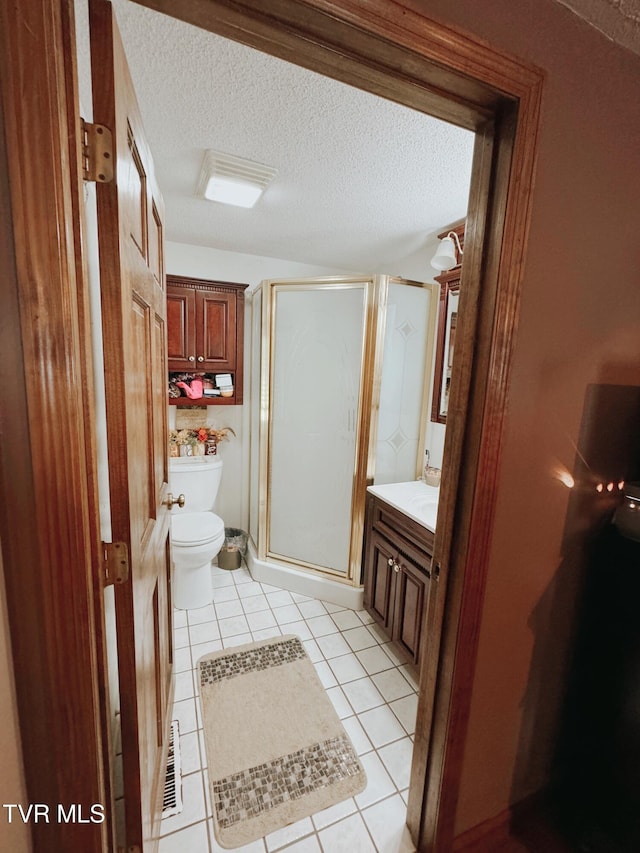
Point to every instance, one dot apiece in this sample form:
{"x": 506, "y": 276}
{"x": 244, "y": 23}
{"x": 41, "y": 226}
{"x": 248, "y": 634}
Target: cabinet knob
{"x": 192, "y": 358}
{"x": 396, "y": 567}
{"x": 390, "y": 561}
{"x": 200, "y": 358}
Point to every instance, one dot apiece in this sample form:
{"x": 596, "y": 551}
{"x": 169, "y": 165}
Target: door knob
{"x": 170, "y": 500}
{"x": 192, "y": 358}
{"x": 396, "y": 567}
{"x": 200, "y": 358}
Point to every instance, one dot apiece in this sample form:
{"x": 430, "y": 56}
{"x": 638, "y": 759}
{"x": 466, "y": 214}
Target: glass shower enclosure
{"x": 344, "y": 365}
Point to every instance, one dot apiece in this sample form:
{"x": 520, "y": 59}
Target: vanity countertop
{"x": 415, "y": 499}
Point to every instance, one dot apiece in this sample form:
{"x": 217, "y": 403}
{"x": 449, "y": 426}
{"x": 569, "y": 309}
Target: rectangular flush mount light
{"x": 232, "y": 180}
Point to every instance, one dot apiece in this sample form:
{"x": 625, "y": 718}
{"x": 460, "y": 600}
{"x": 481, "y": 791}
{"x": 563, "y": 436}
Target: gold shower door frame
{"x": 374, "y": 288}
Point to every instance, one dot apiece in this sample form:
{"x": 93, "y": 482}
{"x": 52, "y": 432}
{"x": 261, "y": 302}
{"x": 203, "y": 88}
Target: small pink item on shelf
{"x": 193, "y": 391}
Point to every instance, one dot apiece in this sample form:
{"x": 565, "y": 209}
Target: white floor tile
{"x": 266, "y": 587}
{"x": 204, "y": 632}
{"x": 189, "y": 753}
{"x": 311, "y": 607}
{"x": 396, "y": 757}
{"x": 334, "y": 813}
{"x": 374, "y": 659}
{"x": 179, "y": 618}
{"x": 201, "y": 614}
{"x": 297, "y": 596}
{"x": 387, "y": 824}
{"x": 299, "y": 629}
{"x": 326, "y": 676}
{"x": 254, "y": 603}
{"x": 267, "y": 633}
{"x": 392, "y": 684}
{"x": 391, "y": 652}
{"x": 340, "y": 703}
{"x": 405, "y": 710}
{"x": 310, "y": 844}
{"x": 233, "y": 626}
{"x": 359, "y": 638}
{"x": 362, "y": 694}
{"x": 347, "y": 836}
{"x": 410, "y": 674}
{"x": 365, "y": 617}
{"x": 285, "y": 615}
{"x": 290, "y": 833}
{"x": 200, "y": 649}
{"x": 345, "y": 619}
{"x": 360, "y": 741}
{"x": 379, "y": 783}
{"x": 183, "y": 686}
{"x": 321, "y": 626}
{"x": 193, "y": 838}
{"x": 313, "y": 650}
{"x": 185, "y": 713}
{"x": 237, "y": 640}
{"x": 241, "y": 576}
{"x": 182, "y": 659}
{"x": 247, "y": 590}
{"x": 333, "y": 645}
{"x": 220, "y": 580}
{"x": 181, "y": 638}
{"x": 279, "y": 598}
{"x": 226, "y": 609}
{"x": 378, "y": 633}
{"x": 347, "y": 668}
{"x": 332, "y": 608}
{"x": 262, "y": 619}
{"x": 381, "y": 726}
{"x": 226, "y": 593}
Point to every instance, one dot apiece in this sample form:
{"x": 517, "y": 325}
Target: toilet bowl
{"x": 197, "y": 533}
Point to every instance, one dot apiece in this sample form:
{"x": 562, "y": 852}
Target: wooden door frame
{"x": 53, "y": 579}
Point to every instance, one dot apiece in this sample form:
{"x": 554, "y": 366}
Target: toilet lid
{"x": 195, "y": 528}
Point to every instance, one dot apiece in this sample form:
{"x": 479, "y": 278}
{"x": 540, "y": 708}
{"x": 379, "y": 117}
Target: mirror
{"x": 447, "y": 322}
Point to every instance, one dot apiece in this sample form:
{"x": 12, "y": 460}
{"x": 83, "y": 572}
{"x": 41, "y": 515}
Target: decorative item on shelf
{"x": 202, "y": 441}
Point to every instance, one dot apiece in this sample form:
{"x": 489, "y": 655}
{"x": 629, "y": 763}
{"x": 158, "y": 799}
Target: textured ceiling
{"x": 618, "y": 20}
{"x": 361, "y": 181}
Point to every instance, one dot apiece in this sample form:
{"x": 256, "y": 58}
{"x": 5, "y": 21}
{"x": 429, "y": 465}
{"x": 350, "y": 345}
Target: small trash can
{"x": 233, "y": 549}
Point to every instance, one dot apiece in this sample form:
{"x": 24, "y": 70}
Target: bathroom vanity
{"x": 398, "y": 547}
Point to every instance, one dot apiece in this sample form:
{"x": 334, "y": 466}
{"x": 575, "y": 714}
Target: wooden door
{"x": 410, "y": 606}
{"x": 379, "y": 579}
{"x": 181, "y": 328}
{"x": 216, "y": 324}
{"x": 130, "y": 214}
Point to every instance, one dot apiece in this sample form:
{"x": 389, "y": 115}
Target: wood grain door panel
{"x": 130, "y": 213}
{"x": 215, "y": 331}
{"x": 181, "y": 328}
{"x": 410, "y": 607}
{"x": 379, "y": 583}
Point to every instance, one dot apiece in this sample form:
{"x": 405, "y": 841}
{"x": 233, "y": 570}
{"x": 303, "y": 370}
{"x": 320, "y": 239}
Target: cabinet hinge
{"x": 97, "y": 153}
{"x": 436, "y": 571}
{"x": 115, "y": 563}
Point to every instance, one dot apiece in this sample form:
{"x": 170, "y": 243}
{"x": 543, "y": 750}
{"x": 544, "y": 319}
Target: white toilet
{"x": 197, "y": 534}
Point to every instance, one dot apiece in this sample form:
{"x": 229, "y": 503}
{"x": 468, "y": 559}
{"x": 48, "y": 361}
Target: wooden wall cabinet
{"x": 397, "y": 571}
{"x": 205, "y": 332}
{"x": 449, "y": 282}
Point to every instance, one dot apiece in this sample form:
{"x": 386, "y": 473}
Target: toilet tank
{"x": 197, "y": 478}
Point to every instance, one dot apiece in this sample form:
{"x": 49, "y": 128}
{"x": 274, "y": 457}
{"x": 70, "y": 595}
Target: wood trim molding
{"x": 46, "y": 524}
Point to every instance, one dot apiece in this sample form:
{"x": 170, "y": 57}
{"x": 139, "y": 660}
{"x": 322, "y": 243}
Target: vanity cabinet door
{"x": 410, "y": 606}
{"x": 379, "y": 584}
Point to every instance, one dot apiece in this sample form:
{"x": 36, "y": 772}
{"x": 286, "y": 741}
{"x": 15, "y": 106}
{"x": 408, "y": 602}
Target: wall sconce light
{"x": 445, "y": 257}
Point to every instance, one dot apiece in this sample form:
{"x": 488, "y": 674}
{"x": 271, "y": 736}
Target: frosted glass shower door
{"x": 316, "y": 367}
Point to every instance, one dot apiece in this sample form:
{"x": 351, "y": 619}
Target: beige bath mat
{"x": 276, "y": 749}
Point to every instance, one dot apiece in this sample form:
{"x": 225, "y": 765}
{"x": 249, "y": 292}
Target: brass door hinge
{"x": 115, "y": 563}
{"x": 97, "y": 153}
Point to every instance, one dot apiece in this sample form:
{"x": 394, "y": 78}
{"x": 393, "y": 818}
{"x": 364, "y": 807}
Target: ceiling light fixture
{"x": 445, "y": 257}
{"x": 232, "y": 180}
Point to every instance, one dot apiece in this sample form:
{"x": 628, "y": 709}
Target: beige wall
{"x": 579, "y": 324}
{"x": 15, "y": 837}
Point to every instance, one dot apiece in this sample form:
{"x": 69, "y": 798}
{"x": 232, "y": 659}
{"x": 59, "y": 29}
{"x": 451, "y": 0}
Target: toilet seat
{"x": 196, "y": 528}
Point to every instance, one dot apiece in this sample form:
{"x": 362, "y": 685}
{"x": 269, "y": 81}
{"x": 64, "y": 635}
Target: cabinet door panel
{"x": 181, "y": 344}
{"x": 379, "y": 581}
{"x": 410, "y": 607}
{"x": 215, "y": 331}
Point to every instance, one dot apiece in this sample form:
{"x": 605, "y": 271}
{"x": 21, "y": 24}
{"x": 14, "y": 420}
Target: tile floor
{"x": 372, "y": 691}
